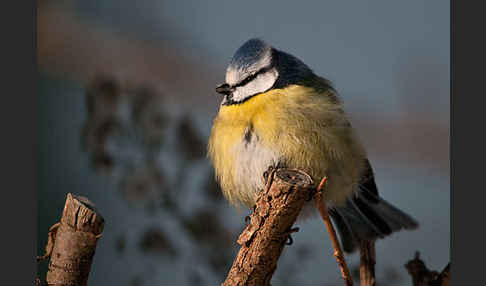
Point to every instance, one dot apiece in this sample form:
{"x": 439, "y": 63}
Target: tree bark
{"x": 422, "y": 276}
{"x": 74, "y": 243}
{"x": 263, "y": 239}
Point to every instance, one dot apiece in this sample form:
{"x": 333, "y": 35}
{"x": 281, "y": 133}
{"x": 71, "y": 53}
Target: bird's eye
{"x": 253, "y": 76}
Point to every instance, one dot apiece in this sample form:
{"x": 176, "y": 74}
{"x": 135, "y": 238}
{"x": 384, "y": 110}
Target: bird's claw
{"x": 290, "y": 240}
{"x": 311, "y": 195}
{"x": 247, "y": 220}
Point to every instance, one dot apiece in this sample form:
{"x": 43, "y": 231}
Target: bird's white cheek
{"x": 260, "y": 84}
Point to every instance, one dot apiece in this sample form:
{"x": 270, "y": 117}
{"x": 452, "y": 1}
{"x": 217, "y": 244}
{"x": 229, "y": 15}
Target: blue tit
{"x": 276, "y": 111}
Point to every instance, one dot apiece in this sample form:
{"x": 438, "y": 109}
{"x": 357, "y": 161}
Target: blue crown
{"x": 249, "y": 53}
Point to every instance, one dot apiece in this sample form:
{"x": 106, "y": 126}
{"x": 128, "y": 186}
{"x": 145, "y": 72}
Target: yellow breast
{"x": 228, "y": 132}
{"x": 302, "y": 128}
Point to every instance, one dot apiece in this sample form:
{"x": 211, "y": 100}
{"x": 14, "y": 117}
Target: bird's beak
{"x": 224, "y": 89}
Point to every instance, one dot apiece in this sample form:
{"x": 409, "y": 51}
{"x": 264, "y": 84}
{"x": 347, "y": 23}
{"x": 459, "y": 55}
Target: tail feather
{"x": 397, "y": 218}
{"x": 367, "y": 217}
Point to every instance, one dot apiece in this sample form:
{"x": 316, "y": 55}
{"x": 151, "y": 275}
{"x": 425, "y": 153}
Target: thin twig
{"x": 338, "y": 253}
{"x": 367, "y": 263}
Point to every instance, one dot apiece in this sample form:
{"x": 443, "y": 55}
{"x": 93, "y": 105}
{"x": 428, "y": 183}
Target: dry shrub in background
{"x": 148, "y": 151}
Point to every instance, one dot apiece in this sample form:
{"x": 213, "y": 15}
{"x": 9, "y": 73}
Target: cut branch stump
{"x": 72, "y": 243}
{"x": 263, "y": 239}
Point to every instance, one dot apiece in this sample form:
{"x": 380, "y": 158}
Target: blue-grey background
{"x": 388, "y": 59}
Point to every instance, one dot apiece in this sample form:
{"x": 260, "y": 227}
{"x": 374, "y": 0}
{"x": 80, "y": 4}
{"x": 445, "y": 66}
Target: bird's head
{"x": 257, "y": 67}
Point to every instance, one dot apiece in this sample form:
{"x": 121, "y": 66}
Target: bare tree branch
{"x": 263, "y": 240}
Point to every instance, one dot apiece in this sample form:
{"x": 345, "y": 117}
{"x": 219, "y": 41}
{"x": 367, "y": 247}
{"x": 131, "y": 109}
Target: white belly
{"x": 252, "y": 160}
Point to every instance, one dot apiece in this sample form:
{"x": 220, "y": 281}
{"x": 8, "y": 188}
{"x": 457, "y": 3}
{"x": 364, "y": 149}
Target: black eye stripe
{"x": 252, "y": 77}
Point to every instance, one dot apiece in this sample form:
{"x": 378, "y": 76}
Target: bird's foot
{"x": 311, "y": 195}
{"x": 288, "y": 236}
{"x": 247, "y": 220}
{"x": 268, "y": 172}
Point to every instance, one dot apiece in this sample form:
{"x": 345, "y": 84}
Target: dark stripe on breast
{"x": 248, "y": 134}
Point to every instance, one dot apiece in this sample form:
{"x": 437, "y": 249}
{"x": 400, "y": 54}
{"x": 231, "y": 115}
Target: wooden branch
{"x": 367, "y": 263}
{"x": 73, "y": 242}
{"x": 422, "y": 276}
{"x": 338, "y": 253}
{"x": 51, "y": 236}
{"x": 444, "y": 278}
{"x": 263, "y": 239}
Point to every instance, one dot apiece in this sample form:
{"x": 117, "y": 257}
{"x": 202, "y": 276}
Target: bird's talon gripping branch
{"x": 311, "y": 195}
{"x": 247, "y": 220}
{"x": 268, "y": 172}
{"x": 290, "y": 240}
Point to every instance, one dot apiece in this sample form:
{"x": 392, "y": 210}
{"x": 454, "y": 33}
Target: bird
{"x": 276, "y": 112}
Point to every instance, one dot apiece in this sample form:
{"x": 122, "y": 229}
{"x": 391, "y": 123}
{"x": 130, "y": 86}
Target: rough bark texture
{"x": 75, "y": 243}
{"x": 367, "y": 264}
{"x": 422, "y": 276}
{"x": 262, "y": 241}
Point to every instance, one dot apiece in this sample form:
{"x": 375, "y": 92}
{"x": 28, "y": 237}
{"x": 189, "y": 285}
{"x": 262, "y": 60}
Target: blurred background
{"x": 126, "y": 99}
